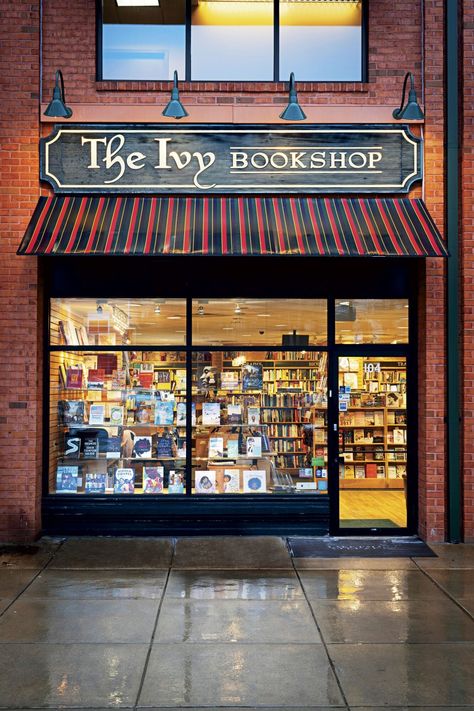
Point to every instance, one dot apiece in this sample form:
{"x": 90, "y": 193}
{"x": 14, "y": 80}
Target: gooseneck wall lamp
{"x": 293, "y": 111}
{"x": 411, "y": 111}
{"x": 174, "y": 108}
{"x": 57, "y": 106}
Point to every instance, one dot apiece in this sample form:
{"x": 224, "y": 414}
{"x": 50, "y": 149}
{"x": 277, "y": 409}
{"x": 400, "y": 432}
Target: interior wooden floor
{"x": 376, "y": 504}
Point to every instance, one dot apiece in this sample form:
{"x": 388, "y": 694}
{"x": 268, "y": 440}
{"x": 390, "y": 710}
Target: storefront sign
{"x": 226, "y": 159}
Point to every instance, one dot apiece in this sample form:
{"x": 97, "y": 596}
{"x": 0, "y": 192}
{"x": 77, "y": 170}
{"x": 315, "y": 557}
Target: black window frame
{"x": 276, "y": 51}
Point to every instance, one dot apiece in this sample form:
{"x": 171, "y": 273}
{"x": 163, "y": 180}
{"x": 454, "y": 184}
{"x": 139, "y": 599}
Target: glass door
{"x": 372, "y": 442}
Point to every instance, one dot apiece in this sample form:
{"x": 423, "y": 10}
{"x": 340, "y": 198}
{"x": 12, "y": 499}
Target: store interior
{"x": 258, "y": 419}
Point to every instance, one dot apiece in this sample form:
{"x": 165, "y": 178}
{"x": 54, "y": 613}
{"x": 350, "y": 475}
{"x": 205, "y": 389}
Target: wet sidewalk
{"x": 233, "y": 623}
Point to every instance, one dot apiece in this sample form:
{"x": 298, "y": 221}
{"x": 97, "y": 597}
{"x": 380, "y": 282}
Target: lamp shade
{"x": 57, "y": 106}
{"x": 293, "y": 111}
{"x": 174, "y": 108}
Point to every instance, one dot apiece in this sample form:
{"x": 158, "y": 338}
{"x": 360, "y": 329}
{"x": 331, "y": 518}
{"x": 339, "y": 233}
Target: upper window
{"x": 232, "y": 40}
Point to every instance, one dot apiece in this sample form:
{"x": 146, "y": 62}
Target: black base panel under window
{"x": 356, "y": 548}
{"x": 276, "y": 515}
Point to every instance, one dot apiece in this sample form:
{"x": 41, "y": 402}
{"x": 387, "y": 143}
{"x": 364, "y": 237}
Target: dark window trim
{"x": 276, "y": 55}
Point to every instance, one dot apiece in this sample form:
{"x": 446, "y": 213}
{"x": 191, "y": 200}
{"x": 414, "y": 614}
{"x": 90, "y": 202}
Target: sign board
{"x": 230, "y": 159}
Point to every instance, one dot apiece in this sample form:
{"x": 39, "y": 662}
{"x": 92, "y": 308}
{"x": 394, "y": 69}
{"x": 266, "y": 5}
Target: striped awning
{"x": 115, "y": 225}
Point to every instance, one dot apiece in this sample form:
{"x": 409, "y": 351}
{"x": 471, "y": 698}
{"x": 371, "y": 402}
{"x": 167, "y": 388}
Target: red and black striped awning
{"x": 115, "y": 225}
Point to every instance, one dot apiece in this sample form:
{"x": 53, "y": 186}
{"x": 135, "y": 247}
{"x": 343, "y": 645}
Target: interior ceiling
{"x": 260, "y": 322}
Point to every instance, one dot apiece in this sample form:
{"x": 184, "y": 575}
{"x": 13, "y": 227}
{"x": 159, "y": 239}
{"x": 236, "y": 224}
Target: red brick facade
{"x": 403, "y": 35}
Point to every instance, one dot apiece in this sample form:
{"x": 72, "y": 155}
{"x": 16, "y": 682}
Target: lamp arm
{"x": 408, "y": 74}
{"x": 59, "y": 76}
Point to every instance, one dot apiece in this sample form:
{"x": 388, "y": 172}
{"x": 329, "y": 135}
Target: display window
{"x": 259, "y": 422}
{"x": 233, "y": 397}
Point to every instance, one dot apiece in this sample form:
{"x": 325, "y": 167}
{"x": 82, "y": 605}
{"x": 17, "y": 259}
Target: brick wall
{"x": 396, "y": 30}
{"x": 20, "y": 353}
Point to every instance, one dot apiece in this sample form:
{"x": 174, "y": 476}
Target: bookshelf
{"x": 372, "y": 424}
{"x": 292, "y": 416}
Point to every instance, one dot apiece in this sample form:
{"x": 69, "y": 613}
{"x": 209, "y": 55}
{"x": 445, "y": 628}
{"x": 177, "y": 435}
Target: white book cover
{"x": 255, "y": 481}
{"x": 205, "y": 482}
{"x": 116, "y": 415}
{"x": 254, "y": 446}
{"x": 253, "y": 415}
{"x": 211, "y": 413}
{"x": 231, "y": 481}
{"x": 96, "y": 414}
{"x": 216, "y": 447}
{"x": 124, "y": 482}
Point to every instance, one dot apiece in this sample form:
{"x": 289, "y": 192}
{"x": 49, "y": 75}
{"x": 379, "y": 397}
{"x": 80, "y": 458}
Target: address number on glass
{"x": 371, "y": 367}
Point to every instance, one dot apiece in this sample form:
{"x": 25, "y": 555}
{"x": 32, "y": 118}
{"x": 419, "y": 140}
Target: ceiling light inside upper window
{"x": 138, "y": 3}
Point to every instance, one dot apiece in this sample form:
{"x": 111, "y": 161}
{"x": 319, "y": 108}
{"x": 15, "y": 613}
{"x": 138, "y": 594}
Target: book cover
{"x": 74, "y": 378}
{"x": 349, "y": 472}
{"x": 90, "y": 447}
{"x": 392, "y": 471}
{"x": 205, "y": 482}
{"x": 113, "y": 448}
{"x": 181, "y": 414}
{"x": 180, "y": 380}
{"x": 359, "y": 471}
{"x": 142, "y": 447}
{"x": 231, "y": 481}
{"x": 322, "y": 485}
{"x": 95, "y": 378}
{"x": 176, "y": 483}
{"x": 380, "y": 471}
{"x": 107, "y": 362}
{"x": 72, "y": 446}
{"x": 216, "y": 447}
{"x": 66, "y": 480}
{"x": 207, "y": 378}
{"x": 95, "y": 482}
{"x": 306, "y": 473}
{"x": 232, "y": 448}
{"x": 252, "y": 376}
{"x": 371, "y": 471}
{"x": 165, "y": 445}
{"x": 153, "y": 478}
{"x": 96, "y": 414}
{"x": 163, "y": 376}
{"x": 145, "y": 378}
{"x": 71, "y": 412}
{"x": 145, "y": 407}
{"x": 211, "y": 413}
{"x": 229, "y": 380}
{"x": 253, "y": 446}
{"x": 124, "y": 482}
{"x": 116, "y": 415}
{"x": 164, "y": 413}
{"x": 255, "y": 481}
{"x": 234, "y": 414}
{"x": 253, "y": 415}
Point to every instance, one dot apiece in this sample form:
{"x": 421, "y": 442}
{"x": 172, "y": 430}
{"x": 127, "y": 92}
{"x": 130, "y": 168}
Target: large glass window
{"x": 260, "y": 422}
{"x": 372, "y": 321}
{"x": 143, "y": 40}
{"x": 321, "y": 41}
{"x": 232, "y": 40}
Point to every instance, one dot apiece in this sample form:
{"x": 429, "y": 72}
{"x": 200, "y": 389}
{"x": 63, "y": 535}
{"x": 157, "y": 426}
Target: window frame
{"x": 276, "y": 52}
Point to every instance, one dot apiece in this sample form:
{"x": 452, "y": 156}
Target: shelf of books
{"x": 117, "y": 422}
{"x": 372, "y": 423}
{"x": 261, "y": 423}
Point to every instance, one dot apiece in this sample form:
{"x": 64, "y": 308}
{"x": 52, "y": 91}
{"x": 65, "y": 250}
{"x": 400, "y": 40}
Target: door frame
{"x": 407, "y": 351}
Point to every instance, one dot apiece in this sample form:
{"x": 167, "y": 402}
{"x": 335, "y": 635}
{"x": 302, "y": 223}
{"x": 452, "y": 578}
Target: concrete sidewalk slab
{"x": 368, "y": 585}
{"x": 236, "y": 621}
{"x": 234, "y": 585}
{"x": 97, "y": 584}
{"x": 114, "y": 553}
{"x": 216, "y": 675}
{"x": 246, "y": 552}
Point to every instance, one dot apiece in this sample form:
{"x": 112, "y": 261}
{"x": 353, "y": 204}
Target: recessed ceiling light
{"x": 344, "y": 303}
{"x": 237, "y": 310}
{"x": 227, "y": 328}
{"x": 138, "y": 3}
{"x": 173, "y": 318}
{"x": 281, "y": 325}
{"x": 263, "y": 315}
{"x": 406, "y": 306}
